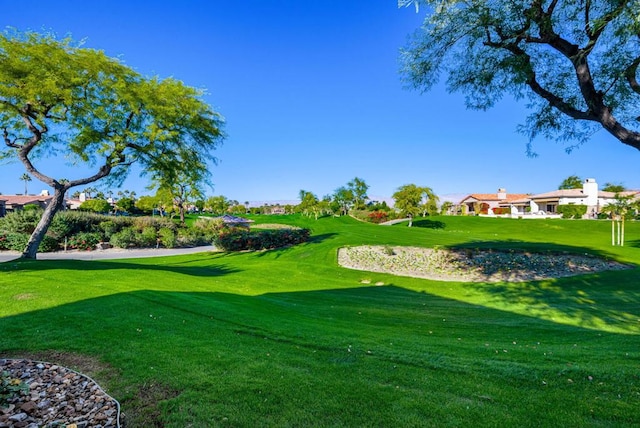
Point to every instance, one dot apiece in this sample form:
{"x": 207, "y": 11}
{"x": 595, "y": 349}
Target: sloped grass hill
{"x": 288, "y": 338}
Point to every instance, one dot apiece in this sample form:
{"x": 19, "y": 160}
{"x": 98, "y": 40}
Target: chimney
{"x": 502, "y": 193}
{"x": 590, "y": 190}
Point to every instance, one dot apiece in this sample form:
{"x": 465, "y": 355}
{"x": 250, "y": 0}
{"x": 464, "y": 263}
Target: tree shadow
{"x": 209, "y": 332}
{"x": 590, "y": 301}
{"x": 535, "y": 247}
{"x": 633, "y": 243}
{"x": 429, "y": 224}
{"x": 316, "y": 239}
{"x": 174, "y": 264}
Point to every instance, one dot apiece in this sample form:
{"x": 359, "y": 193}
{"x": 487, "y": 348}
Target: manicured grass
{"x": 288, "y": 338}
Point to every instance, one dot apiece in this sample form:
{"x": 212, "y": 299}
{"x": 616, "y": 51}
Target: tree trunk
{"x": 181, "y": 209}
{"x": 43, "y": 225}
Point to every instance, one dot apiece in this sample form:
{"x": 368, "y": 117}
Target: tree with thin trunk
{"x": 574, "y": 62}
{"x": 26, "y": 178}
{"x": 56, "y": 96}
{"x": 622, "y": 207}
{"x": 310, "y": 204}
{"x": 358, "y": 189}
{"x": 343, "y": 197}
{"x": 181, "y": 186}
{"x": 410, "y": 199}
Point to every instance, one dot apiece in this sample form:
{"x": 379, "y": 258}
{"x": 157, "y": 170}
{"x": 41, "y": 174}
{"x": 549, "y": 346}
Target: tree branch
{"x": 7, "y": 141}
{"x": 102, "y": 172}
{"x": 630, "y": 73}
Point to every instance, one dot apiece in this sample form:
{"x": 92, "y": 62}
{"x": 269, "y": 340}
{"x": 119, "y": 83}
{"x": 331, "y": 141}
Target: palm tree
{"x": 26, "y": 178}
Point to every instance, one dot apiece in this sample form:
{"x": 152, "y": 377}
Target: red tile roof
{"x": 482, "y": 197}
{"x": 24, "y": 199}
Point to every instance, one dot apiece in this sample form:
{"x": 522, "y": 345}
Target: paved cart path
{"x": 112, "y": 253}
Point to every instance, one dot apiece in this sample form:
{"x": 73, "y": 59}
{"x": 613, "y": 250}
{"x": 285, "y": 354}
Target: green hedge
{"x": 572, "y": 210}
{"x": 15, "y": 241}
{"x": 240, "y": 240}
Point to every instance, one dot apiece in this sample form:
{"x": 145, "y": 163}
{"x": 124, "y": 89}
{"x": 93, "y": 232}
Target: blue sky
{"x": 312, "y": 97}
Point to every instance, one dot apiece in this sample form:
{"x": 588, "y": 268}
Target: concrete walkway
{"x": 392, "y": 222}
{"x": 112, "y": 253}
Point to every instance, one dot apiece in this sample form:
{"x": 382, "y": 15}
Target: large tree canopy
{"x": 571, "y": 182}
{"x": 575, "y": 61}
{"x": 57, "y": 97}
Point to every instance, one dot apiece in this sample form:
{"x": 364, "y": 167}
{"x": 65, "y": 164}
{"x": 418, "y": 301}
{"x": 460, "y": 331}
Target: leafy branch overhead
{"x": 575, "y": 62}
{"x": 58, "y": 97}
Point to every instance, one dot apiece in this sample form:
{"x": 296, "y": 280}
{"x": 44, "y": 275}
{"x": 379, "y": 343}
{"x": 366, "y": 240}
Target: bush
{"x": 191, "y": 237}
{"x": 49, "y": 244}
{"x": 18, "y": 241}
{"x": 378, "y": 216}
{"x": 21, "y": 221}
{"x": 15, "y": 241}
{"x": 124, "y": 239}
{"x": 96, "y": 206}
{"x": 85, "y": 241}
{"x": 239, "y": 240}
{"x": 501, "y": 211}
{"x": 68, "y": 223}
{"x": 156, "y": 222}
{"x": 572, "y": 210}
{"x": 167, "y": 237}
{"x": 148, "y": 237}
{"x": 108, "y": 228}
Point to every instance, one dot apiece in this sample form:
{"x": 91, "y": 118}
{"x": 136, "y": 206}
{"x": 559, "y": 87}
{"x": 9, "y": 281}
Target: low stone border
{"x": 57, "y": 397}
{"x": 471, "y": 265}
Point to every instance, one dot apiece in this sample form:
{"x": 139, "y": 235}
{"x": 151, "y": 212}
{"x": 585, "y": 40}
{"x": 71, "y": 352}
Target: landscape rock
{"x": 57, "y": 396}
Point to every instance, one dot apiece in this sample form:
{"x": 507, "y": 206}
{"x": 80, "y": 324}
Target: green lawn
{"x": 288, "y": 338}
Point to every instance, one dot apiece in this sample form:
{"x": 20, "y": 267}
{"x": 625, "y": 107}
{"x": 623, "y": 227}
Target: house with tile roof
{"x": 546, "y": 204}
{"x": 17, "y": 202}
{"x": 486, "y": 202}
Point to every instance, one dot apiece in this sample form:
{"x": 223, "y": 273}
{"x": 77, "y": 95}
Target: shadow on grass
{"x": 534, "y": 247}
{"x": 191, "y": 266}
{"x": 316, "y": 239}
{"x": 596, "y": 302}
{"x": 633, "y": 243}
{"x": 202, "y": 336}
{"x": 429, "y": 224}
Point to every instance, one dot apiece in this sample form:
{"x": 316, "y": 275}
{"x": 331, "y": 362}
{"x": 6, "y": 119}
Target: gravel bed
{"x": 471, "y": 265}
{"x": 56, "y": 397}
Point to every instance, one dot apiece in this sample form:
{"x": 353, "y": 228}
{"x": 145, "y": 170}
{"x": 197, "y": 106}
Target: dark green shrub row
{"x": 15, "y": 241}
{"x": 86, "y": 241}
{"x": 242, "y": 239}
{"x": 572, "y": 211}
{"x": 83, "y": 230}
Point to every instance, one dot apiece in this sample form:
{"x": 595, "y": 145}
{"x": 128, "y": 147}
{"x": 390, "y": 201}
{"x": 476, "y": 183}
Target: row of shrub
{"x": 84, "y": 231}
{"x": 242, "y": 239}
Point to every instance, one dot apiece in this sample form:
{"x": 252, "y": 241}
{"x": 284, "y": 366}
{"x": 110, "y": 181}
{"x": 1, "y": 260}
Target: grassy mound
{"x": 287, "y": 337}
